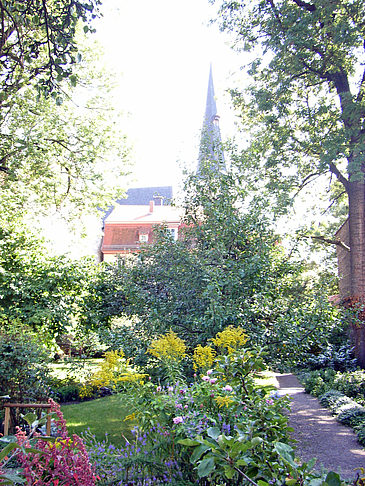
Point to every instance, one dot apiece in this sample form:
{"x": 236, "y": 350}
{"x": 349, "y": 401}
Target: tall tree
{"x": 306, "y": 105}
{"x": 60, "y": 144}
{"x": 37, "y": 42}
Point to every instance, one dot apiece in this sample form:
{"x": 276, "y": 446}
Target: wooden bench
{"x": 8, "y": 406}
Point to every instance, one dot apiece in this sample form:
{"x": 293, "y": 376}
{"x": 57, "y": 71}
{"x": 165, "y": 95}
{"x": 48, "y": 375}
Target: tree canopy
{"x": 305, "y": 106}
{"x": 38, "y": 45}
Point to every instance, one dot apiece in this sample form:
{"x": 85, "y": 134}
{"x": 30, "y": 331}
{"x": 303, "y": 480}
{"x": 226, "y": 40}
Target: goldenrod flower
{"x": 223, "y": 401}
{"x": 231, "y": 338}
{"x": 168, "y": 347}
{"x": 203, "y": 357}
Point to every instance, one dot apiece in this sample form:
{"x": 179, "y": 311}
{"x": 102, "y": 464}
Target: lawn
{"x": 76, "y": 367}
{"x": 103, "y": 415}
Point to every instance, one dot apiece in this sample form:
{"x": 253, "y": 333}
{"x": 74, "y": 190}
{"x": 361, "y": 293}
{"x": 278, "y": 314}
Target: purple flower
{"x": 205, "y": 378}
{"x": 159, "y": 388}
{"x": 213, "y": 380}
{"x": 209, "y": 372}
{"x": 228, "y": 388}
{"x": 178, "y": 405}
{"x": 178, "y": 420}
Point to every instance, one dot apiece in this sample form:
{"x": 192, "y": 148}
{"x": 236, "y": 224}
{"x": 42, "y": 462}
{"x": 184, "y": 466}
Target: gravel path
{"x": 318, "y": 434}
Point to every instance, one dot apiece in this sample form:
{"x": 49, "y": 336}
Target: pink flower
{"x": 159, "y": 388}
{"x": 178, "y": 420}
{"x": 178, "y": 405}
{"x": 205, "y": 378}
{"x": 213, "y": 380}
{"x": 170, "y": 389}
{"x": 186, "y": 406}
{"x": 209, "y": 372}
{"x": 228, "y": 388}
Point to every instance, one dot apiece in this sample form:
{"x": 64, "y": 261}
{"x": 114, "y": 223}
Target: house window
{"x": 173, "y": 233}
{"x": 143, "y": 238}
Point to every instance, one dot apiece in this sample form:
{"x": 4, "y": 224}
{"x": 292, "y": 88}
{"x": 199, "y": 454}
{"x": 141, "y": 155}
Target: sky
{"x": 161, "y": 51}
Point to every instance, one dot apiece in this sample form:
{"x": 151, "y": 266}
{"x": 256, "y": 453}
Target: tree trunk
{"x": 356, "y": 194}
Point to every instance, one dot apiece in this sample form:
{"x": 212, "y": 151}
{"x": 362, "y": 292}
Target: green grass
{"x": 75, "y": 366}
{"x": 267, "y": 379}
{"x": 103, "y": 415}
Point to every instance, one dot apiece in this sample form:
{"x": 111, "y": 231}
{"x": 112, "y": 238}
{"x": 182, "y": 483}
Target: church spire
{"x": 211, "y": 151}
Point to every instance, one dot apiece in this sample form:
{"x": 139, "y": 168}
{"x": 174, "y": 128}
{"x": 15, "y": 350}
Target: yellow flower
{"x": 203, "y": 357}
{"x": 223, "y": 401}
{"x": 131, "y": 416}
{"x": 168, "y": 347}
{"x": 231, "y": 338}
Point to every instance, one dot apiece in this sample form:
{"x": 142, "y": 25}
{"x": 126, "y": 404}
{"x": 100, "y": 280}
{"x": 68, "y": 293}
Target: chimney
{"x": 151, "y": 206}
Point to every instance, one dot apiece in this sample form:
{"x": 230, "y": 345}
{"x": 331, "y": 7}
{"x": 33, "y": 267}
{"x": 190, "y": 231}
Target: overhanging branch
{"x": 329, "y": 241}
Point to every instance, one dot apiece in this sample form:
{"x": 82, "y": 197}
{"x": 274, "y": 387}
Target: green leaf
{"x": 333, "y": 479}
{"x": 206, "y": 467}
{"x": 213, "y": 432}
{"x": 262, "y": 483}
{"x": 229, "y": 472}
{"x": 188, "y": 442}
{"x": 12, "y": 478}
{"x": 285, "y": 452}
{"x": 30, "y": 418}
{"x": 86, "y": 29}
{"x": 198, "y": 452}
{"x": 7, "y": 449}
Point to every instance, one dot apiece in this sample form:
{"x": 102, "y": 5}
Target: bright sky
{"x": 161, "y": 51}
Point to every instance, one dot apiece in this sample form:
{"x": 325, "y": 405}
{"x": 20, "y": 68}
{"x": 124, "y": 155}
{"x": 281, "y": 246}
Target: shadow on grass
{"x": 102, "y": 416}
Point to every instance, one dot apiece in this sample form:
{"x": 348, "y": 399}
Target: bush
{"x": 351, "y": 384}
{"x": 66, "y": 390}
{"x": 24, "y": 374}
{"x": 361, "y": 435}
{"x": 352, "y": 416}
{"x": 318, "y": 382}
{"x": 332, "y": 397}
{"x": 337, "y": 359}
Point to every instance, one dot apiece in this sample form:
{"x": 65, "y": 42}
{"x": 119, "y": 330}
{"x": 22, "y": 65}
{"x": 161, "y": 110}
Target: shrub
{"x": 332, "y": 397}
{"x": 352, "y": 416}
{"x": 338, "y": 359}
{"x": 114, "y": 373}
{"x": 64, "y": 461}
{"x": 24, "y": 374}
{"x": 351, "y": 384}
{"x": 66, "y": 390}
{"x": 361, "y": 435}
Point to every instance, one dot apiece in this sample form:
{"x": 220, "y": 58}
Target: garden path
{"x": 318, "y": 434}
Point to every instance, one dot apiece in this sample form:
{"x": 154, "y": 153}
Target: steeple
{"x": 211, "y": 151}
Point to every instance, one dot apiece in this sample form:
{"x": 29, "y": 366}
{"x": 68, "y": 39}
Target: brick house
{"x": 130, "y": 224}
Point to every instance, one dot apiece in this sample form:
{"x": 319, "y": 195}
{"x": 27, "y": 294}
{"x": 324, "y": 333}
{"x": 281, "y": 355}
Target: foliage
{"x": 38, "y": 43}
{"x": 231, "y": 339}
{"x": 349, "y": 383}
{"x": 305, "y": 112}
{"x": 222, "y": 417}
{"x": 304, "y": 105}
{"x": 352, "y": 384}
{"x": 65, "y": 390}
{"x": 45, "y": 292}
{"x": 114, "y": 372}
{"x": 340, "y": 359}
{"x": 169, "y": 349}
{"x": 24, "y": 374}
{"x": 65, "y": 459}
{"x": 227, "y": 269}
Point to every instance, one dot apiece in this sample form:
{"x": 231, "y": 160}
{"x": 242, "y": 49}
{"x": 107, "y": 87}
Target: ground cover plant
{"x": 343, "y": 393}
